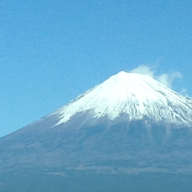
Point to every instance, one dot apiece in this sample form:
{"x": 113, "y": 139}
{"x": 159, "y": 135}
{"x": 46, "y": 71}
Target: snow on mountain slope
{"x": 135, "y": 94}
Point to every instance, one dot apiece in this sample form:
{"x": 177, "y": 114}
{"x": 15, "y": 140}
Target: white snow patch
{"x": 135, "y": 94}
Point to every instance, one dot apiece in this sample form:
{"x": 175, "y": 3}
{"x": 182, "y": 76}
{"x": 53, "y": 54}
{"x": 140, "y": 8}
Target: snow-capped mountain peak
{"x": 135, "y": 94}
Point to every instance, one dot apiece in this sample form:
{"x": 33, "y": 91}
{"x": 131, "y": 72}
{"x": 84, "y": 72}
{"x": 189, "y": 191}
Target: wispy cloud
{"x": 144, "y": 69}
{"x": 184, "y": 92}
{"x": 166, "y": 78}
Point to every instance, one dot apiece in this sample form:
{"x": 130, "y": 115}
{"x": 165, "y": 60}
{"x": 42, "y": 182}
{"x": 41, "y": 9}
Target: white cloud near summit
{"x": 166, "y": 78}
{"x": 144, "y": 69}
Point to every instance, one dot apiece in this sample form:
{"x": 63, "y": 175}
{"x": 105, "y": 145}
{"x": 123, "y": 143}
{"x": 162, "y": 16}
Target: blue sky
{"x": 51, "y": 51}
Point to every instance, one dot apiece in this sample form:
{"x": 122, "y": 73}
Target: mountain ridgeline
{"x": 128, "y": 125}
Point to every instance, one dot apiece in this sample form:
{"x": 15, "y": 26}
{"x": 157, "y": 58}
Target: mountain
{"x": 129, "y": 124}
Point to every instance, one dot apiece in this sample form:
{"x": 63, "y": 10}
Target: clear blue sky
{"x": 53, "y": 50}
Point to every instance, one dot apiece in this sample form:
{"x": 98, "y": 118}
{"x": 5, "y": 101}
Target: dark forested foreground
{"x": 87, "y": 181}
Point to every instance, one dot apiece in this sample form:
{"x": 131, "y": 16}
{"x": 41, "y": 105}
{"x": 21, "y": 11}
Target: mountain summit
{"x": 139, "y": 96}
